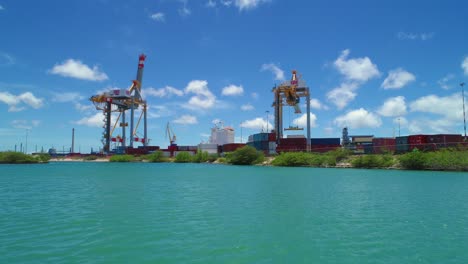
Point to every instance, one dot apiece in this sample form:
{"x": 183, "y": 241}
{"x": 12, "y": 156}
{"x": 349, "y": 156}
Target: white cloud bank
{"x": 233, "y": 90}
{"x": 247, "y": 107}
{"x": 95, "y": 120}
{"x": 76, "y": 69}
{"x": 14, "y": 101}
{"x": 279, "y": 74}
{"x": 160, "y": 17}
{"x": 203, "y": 98}
{"x": 449, "y": 106}
{"x": 359, "y": 118}
{"x": 186, "y": 120}
{"x": 257, "y": 124}
{"x": 397, "y": 79}
{"x": 392, "y": 107}
{"x": 166, "y": 91}
{"x": 358, "y": 69}
{"x": 464, "y": 65}
{"x": 302, "y": 120}
{"x": 248, "y": 4}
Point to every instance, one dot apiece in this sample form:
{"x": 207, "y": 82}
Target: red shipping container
{"x": 418, "y": 141}
{"x": 272, "y": 137}
{"x": 384, "y": 144}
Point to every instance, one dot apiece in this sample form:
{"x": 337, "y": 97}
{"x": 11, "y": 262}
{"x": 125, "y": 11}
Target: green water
{"x": 191, "y": 213}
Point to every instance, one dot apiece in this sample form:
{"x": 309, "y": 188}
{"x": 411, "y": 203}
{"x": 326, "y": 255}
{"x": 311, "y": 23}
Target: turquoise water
{"x": 192, "y": 213}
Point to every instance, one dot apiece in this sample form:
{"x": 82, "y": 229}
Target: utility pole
{"x": 399, "y": 127}
{"x": 267, "y": 112}
{"x": 26, "y": 145}
{"x": 463, "y": 97}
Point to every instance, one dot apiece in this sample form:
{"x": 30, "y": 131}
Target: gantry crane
{"x": 289, "y": 94}
{"x": 120, "y": 101}
{"x": 170, "y": 134}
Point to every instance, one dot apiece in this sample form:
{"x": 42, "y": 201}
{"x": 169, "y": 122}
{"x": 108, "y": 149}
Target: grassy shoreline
{"x": 443, "y": 160}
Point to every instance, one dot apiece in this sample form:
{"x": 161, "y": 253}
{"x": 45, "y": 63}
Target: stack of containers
{"x": 264, "y": 142}
{"x": 296, "y": 144}
{"x": 322, "y": 145}
{"x": 418, "y": 141}
{"x": 382, "y": 145}
{"x": 444, "y": 140}
{"x": 401, "y": 144}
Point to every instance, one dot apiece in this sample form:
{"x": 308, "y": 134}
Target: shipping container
{"x": 260, "y": 137}
{"x": 444, "y": 140}
{"x": 418, "y": 141}
{"x": 324, "y": 148}
{"x": 402, "y": 145}
{"x": 325, "y": 141}
{"x": 384, "y": 145}
{"x": 362, "y": 139}
{"x": 272, "y": 137}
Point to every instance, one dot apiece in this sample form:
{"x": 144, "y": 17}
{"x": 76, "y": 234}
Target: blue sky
{"x": 370, "y": 65}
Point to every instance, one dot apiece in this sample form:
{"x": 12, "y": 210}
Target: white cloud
{"x": 157, "y": 111}
{"x": 66, "y": 97}
{"x": 184, "y": 11}
{"x": 203, "y": 98}
{"x": 160, "y": 17}
{"x": 227, "y": 3}
{"x": 257, "y": 123}
{"x": 397, "y": 79}
{"x": 247, "y": 107}
{"x": 439, "y": 126}
{"x": 343, "y": 94}
{"x": 2, "y": 8}
{"x": 464, "y": 65}
{"x": 359, "y": 118}
{"x": 6, "y": 59}
{"x": 415, "y": 36}
{"x": 233, "y": 90}
{"x": 302, "y": 120}
{"x": 25, "y": 98}
{"x": 316, "y": 104}
{"x": 248, "y": 4}
{"x": 25, "y": 124}
{"x": 91, "y": 121}
{"x": 359, "y": 69}
{"x": 279, "y": 74}
{"x": 76, "y": 69}
{"x": 444, "y": 81}
{"x": 186, "y": 120}
{"x": 448, "y": 106}
{"x": 210, "y": 3}
{"x": 394, "y": 106}
{"x": 83, "y": 108}
{"x": 167, "y": 91}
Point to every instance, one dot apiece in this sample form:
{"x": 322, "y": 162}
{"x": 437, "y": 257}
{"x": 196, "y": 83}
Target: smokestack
{"x": 73, "y": 141}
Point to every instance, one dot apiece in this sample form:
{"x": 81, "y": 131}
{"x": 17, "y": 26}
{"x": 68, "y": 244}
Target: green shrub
{"x": 292, "y": 159}
{"x": 222, "y": 160}
{"x": 246, "y": 155}
{"x": 447, "y": 159}
{"x": 373, "y": 161}
{"x": 201, "y": 156}
{"x": 156, "y": 156}
{"x": 43, "y": 157}
{"x": 212, "y": 157}
{"x": 17, "y": 158}
{"x": 122, "y": 158}
{"x": 183, "y": 157}
{"x": 414, "y": 160}
{"x": 90, "y": 157}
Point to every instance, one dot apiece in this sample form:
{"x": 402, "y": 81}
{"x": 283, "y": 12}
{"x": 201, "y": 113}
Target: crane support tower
{"x": 289, "y": 94}
{"x": 121, "y": 100}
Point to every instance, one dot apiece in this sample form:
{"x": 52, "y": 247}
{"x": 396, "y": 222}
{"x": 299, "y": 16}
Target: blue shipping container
{"x": 325, "y": 141}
